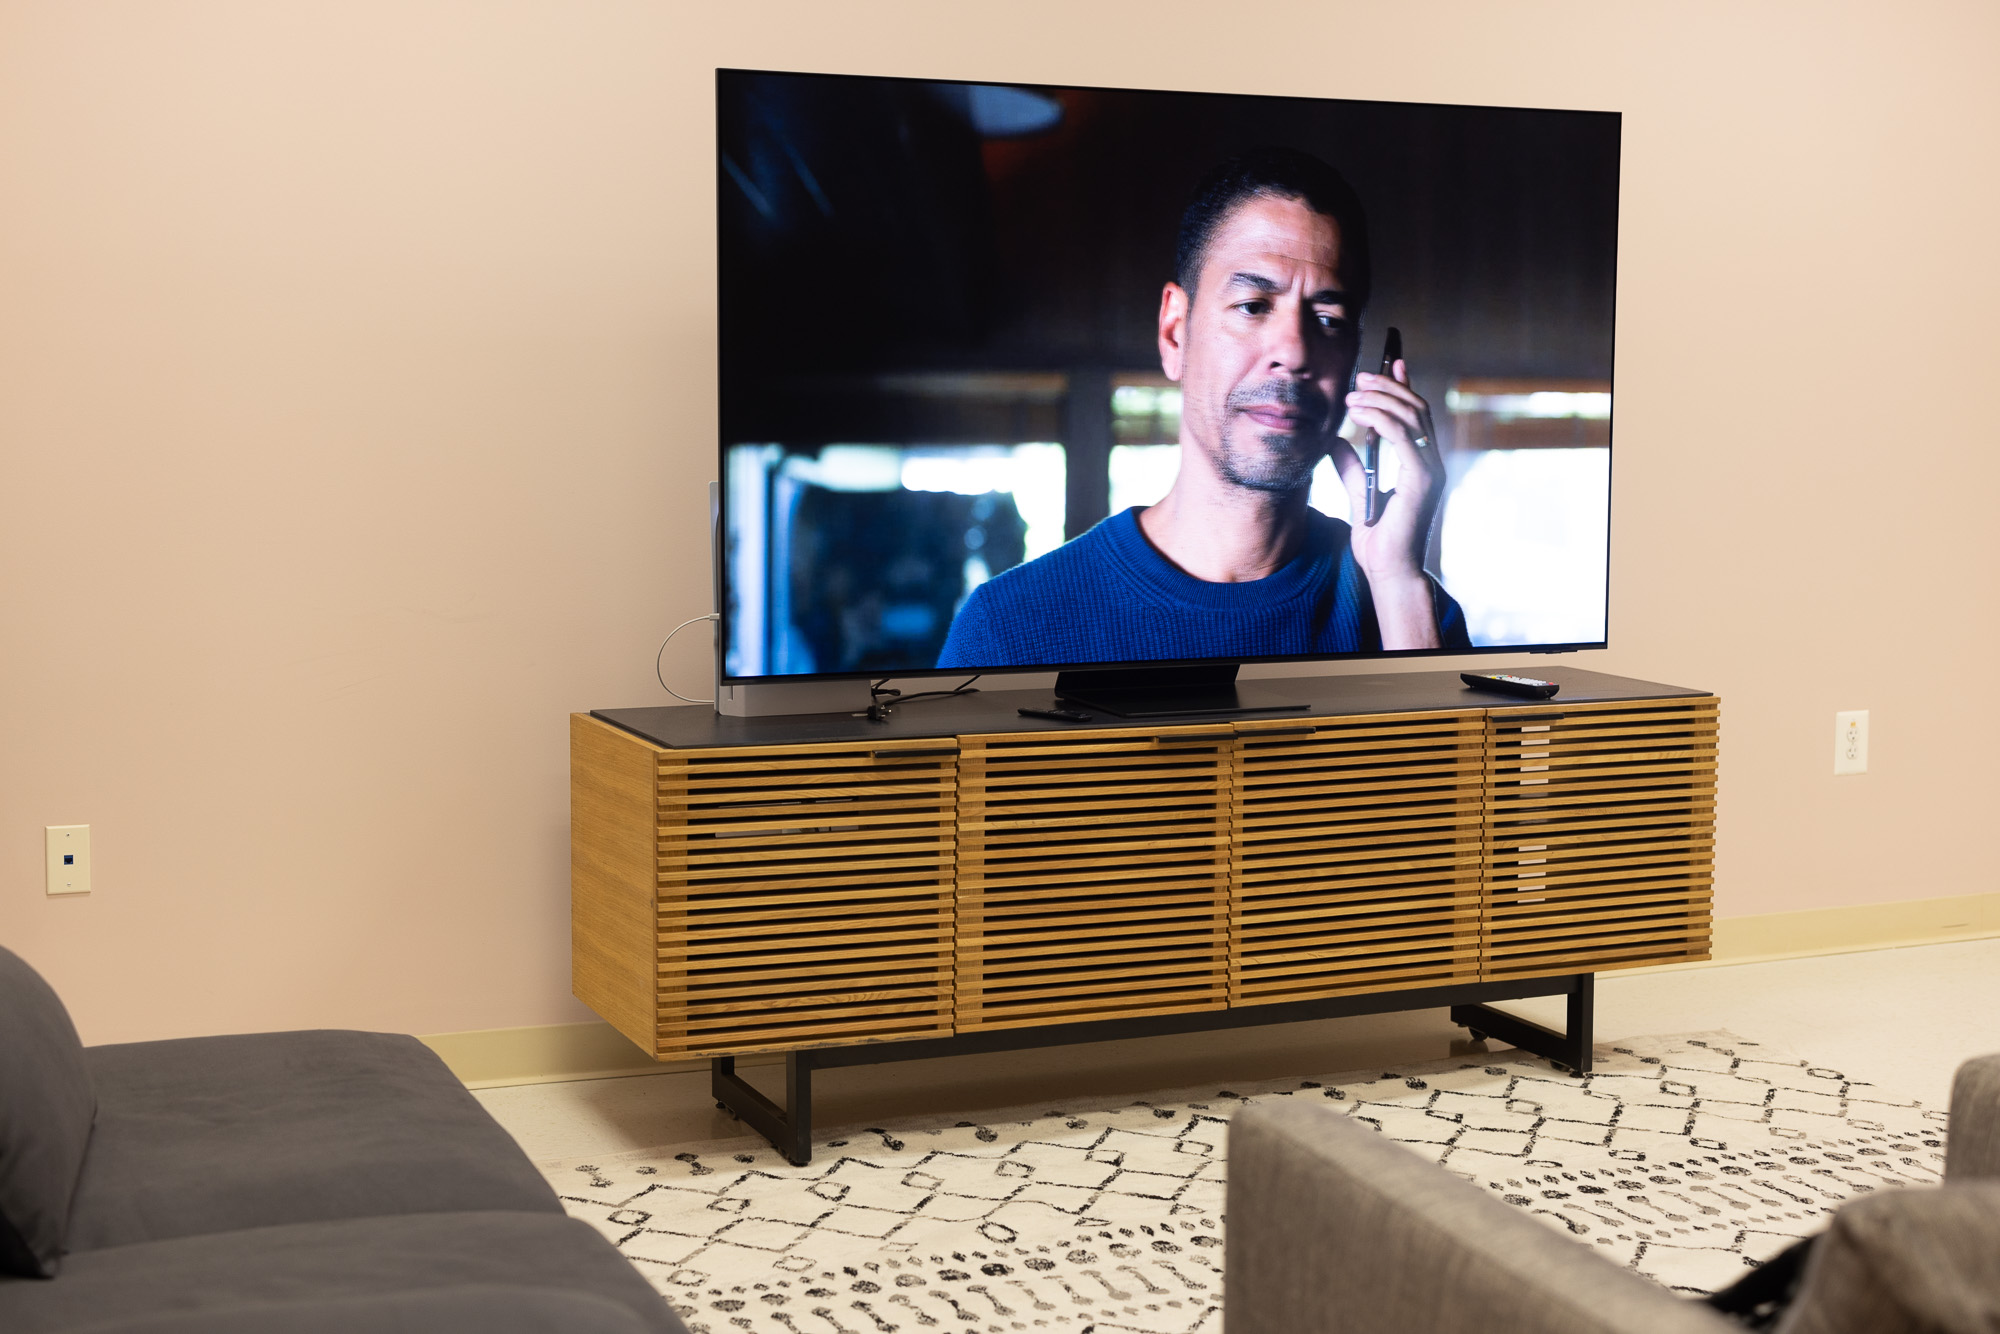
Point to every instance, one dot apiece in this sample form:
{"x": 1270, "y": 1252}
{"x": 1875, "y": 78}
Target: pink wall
{"x": 356, "y": 378}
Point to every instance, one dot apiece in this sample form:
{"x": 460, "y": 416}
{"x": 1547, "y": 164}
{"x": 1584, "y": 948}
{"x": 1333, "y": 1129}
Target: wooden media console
{"x": 959, "y": 878}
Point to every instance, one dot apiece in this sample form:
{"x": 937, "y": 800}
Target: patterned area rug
{"x": 1686, "y": 1159}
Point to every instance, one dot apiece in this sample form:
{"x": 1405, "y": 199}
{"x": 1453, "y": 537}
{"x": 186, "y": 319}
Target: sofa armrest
{"x": 1335, "y": 1228}
{"x": 1913, "y": 1261}
{"x": 1972, "y": 1147}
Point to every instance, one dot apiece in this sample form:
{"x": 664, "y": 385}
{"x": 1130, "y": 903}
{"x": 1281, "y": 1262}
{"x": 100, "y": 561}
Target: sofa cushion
{"x": 418, "y": 1272}
{"x": 216, "y": 1134}
{"x": 46, "y": 1107}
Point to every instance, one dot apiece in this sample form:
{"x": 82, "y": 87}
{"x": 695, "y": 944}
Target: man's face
{"x": 1265, "y": 351}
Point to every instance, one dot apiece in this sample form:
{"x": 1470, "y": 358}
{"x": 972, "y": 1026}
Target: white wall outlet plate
{"x": 1850, "y": 742}
{"x": 69, "y": 858}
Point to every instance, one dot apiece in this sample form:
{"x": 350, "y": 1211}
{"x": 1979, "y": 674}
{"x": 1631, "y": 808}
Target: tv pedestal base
{"x": 789, "y": 1128}
{"x": 1170, "y": 692}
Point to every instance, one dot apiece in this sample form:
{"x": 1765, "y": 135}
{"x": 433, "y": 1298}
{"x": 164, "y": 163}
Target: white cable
{"x": 660, "y": 672}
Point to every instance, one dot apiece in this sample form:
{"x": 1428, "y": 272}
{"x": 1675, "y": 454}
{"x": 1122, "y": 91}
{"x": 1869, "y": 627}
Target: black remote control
{"x": 1060, "y": 715}
{"x": 1528, "y": 686}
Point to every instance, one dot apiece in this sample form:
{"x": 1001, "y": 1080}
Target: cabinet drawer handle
{"x": 1530, "y": 719}
{"x": 915, "y": 754}
{"x": 1255, "y": 734}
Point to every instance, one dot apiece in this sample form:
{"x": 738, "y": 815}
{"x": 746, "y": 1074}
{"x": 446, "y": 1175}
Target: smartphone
{"x": 1371, "y": 443}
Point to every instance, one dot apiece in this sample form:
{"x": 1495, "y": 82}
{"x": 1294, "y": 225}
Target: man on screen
{"x": 1261, "y": 329}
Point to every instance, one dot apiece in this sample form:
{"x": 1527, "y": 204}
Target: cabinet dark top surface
{"x": 698, "y": 725}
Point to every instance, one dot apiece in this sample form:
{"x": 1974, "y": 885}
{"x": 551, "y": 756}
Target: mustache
{"x": 1303, "y": 400}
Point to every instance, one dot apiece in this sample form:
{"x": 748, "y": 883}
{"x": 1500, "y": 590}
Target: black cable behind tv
{"x": 1166, "y": 692}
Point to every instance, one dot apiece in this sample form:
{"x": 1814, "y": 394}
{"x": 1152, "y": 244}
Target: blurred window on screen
{"x": 1033, "y": 474}
{"x": 1145, "y": 411}
{"x": 855, "y": 557}
{"x": 1525, "y": 531}
{"x": 1145, "y": 429}
{"x": 1141, "y": 474}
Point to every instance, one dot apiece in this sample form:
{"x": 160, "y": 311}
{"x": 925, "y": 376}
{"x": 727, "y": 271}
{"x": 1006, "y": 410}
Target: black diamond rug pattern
{"x": 1686, "y": 1159}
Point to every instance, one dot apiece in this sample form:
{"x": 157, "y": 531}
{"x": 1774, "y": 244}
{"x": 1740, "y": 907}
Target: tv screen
{"x": 1019, "y": 377}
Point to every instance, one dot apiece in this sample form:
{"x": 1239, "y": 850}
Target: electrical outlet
{"x": 1850, "y": 742}
{"x": 69, "y": 858}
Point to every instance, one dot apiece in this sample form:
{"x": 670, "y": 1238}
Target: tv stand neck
{"x": 1168, "y": 692}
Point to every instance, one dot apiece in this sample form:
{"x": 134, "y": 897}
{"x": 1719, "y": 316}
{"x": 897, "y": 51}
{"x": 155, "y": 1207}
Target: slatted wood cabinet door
{"x": 1356, "y": 855}
{"x": 1601, "y": 835}
{"x": 805, "y": 895}
{"x": 1092, "y": 875}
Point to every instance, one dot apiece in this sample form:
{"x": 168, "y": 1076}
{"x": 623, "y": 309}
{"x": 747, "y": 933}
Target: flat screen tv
{"x": 1141, "y": 386}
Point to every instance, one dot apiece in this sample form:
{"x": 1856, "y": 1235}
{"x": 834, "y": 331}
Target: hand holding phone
{"x": 1371, "y": 443}
{"x": 1391, "y": 526}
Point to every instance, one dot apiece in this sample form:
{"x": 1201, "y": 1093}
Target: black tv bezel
{"x": 720, "y": 524}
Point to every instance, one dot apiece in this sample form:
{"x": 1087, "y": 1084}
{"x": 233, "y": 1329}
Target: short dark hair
{"x": 1280, "y": 173}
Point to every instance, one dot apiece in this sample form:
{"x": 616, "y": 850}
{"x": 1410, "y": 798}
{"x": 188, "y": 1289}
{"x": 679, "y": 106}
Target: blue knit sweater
{"x": 1110, "y": 597}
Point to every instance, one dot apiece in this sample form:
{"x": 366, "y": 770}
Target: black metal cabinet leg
{"x": 799, "y": 1095}
{"x": 1582, "y": 1018}
{"x": 1569, "y": 1049}
{"x": 788, "y": 1128}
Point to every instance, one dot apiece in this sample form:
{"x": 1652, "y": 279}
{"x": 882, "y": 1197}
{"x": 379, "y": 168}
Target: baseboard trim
{"x": 1852, "y": 929}
{"x": 555, "y": 1053}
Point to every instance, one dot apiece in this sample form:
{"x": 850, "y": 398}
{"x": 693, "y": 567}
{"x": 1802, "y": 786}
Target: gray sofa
{"x": 1337, "y": 1229}
{"x": 276, "y": 1181}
